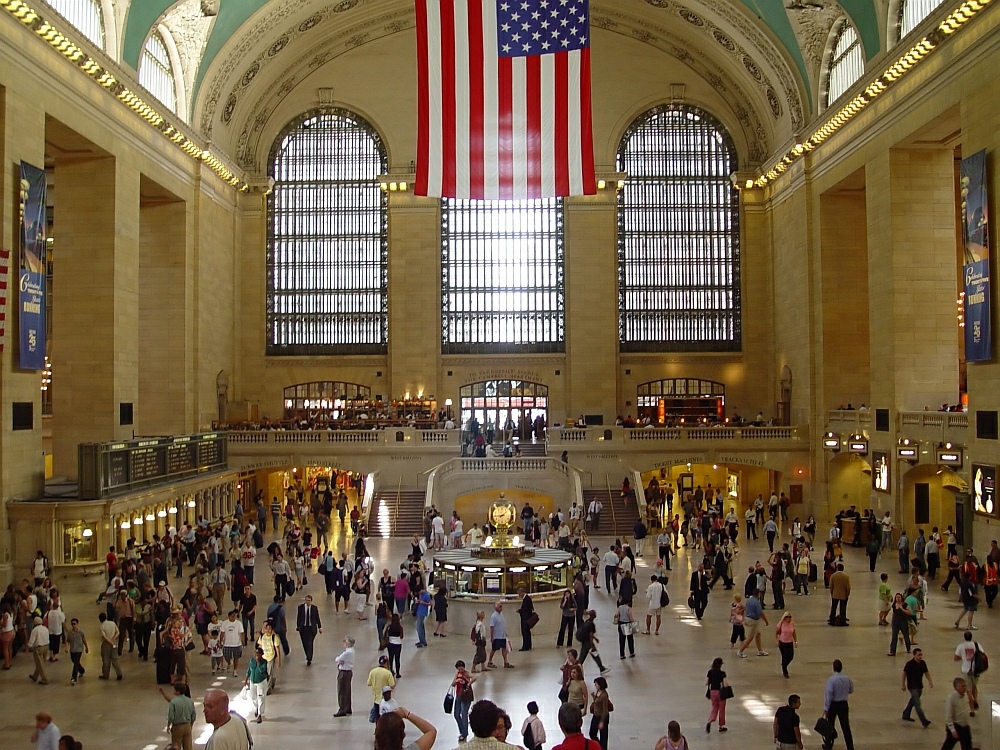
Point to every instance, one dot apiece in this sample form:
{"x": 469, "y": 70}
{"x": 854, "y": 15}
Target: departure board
{"x": 112, "y": 468}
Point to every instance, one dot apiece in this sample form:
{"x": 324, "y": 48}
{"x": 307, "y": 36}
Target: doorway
{"x": 505, "y": 409}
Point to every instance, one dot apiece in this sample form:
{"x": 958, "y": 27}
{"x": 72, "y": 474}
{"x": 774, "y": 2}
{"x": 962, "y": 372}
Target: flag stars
{"x": 536, "y": 27}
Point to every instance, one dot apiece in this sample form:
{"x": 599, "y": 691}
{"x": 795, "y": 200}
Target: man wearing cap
{"x": 38, "y": 644}
{"x": 379, "y": 680}
{"x": 345, "y": 673}
{"x": 307, "y": 622}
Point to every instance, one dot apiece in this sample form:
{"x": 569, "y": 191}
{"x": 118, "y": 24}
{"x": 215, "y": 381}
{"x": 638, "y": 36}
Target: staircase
{"x": 617, "y": 519}
{"x": 528, "y": 449}
{"x": 408, "y": 518}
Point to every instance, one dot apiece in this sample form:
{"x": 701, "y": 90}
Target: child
{"x": 215, "y": 650}
{"x": 532, "y": 730}
{"x": 388, "y": 703}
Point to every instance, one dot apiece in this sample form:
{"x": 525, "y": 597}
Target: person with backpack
{"x": 587, "y": 635}
{"x": 532, "y": 730}
{"x": 974, "y": 663}
{"x": 478, "y": 636}
{"x": 656, "y": 598}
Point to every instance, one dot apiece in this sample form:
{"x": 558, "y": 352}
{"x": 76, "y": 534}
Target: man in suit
{"x": 840, "y": 590}
{"x": 307, "y": 622}
{"x": 526, "y": 609}
{"x": 699, "y": 590}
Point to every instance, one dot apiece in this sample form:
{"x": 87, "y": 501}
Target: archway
{"x": 927, "y": 498}
{"x": 511, "y": 408}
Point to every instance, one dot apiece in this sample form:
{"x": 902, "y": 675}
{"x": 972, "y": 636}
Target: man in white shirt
{"x": 665, "y": 546}
{"x": 230, "y": 730}
{"x": 611, "y": 563}
{"x": 233, "y": 639}
{"x": 475, "y": 536}
{"x": 654, "y": 592}
{"x": 55, "y": 619}
{"x": 966, "y": 653}
{"x": 886, "y": 530}
{"x": 594, "y": 514}
{"x": 38, "y": 645}
{"x": 772, "y": 506}
{"x": 345, "y": 673}
{"x": 437, "y": 526}
{"x": 248, "y": 558}
{"x": 457, "y": 532}
{"x": 109, "y": 648}
{"x": 574, "y": 518}
{"x": 39, "y": 568}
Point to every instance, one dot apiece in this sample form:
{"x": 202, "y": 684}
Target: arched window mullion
{"x": 678, "y": 234}
{"x": 327, "y": 244}
{"x": 156, "y": 74}
{"x": 85, "y": 15}
{"x": 846, "y": 62}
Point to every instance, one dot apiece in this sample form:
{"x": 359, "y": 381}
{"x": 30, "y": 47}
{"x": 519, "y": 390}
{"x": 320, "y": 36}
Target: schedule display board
{"x": 113, "y": 468}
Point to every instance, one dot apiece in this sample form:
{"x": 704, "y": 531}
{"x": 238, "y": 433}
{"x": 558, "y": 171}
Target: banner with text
{"x": 31, "y": 275}
{"x": 976, "y": 270}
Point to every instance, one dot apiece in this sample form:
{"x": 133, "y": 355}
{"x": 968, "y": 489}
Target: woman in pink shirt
{"x": 786, "y": 637}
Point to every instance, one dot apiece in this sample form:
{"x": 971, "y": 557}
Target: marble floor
{"x": 665, "y": 682}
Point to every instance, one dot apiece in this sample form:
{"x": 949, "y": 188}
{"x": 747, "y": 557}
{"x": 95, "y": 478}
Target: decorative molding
{"x": 190, "y": 30}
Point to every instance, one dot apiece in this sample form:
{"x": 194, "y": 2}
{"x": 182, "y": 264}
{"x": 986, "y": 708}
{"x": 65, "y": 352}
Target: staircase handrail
{"x": 640, "y": 495}
{"x": 368, "y": 499}
{"x": 611, "y": 504}
{"x": 395, "y": 513}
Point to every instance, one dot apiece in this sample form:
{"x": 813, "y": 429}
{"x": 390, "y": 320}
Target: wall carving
{"x": 812, "y": 23}
{"x": 190, "y": 30}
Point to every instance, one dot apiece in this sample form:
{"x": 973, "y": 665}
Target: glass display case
{"x": 79, "y": 543}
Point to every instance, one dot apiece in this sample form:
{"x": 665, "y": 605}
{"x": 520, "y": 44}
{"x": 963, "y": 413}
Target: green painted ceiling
{"x": 234, "y": 13}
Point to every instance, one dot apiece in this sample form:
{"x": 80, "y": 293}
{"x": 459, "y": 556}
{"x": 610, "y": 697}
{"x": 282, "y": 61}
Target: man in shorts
{"x": 498, "y": 637}
{"x": 233, "y": 638}
{"x": 654, "y": 591}
{"x": 752, "y": 616}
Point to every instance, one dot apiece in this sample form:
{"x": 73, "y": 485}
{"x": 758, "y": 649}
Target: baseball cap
{"x": 386, "y": 689}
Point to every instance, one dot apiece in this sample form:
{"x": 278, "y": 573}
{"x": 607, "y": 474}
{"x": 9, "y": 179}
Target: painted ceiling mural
{"x": 762, "y": 56}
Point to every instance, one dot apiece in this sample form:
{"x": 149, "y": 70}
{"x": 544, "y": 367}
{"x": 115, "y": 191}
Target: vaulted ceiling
{"x": 764, "y": 57}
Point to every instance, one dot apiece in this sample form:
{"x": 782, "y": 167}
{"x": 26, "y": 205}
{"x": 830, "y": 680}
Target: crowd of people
{"x": 226, "y": 565}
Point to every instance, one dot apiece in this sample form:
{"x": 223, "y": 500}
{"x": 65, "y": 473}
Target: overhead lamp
{"x": 161, "y": 513}
{"x": 172, "y": 511}
{"x": 87, "y": 533}
{"x": 137, "y": 521}
{"x": 125, "y": 525}
{"x": 191, "y": 503}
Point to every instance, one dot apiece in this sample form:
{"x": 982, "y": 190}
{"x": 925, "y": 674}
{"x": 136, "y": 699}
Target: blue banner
{"x": 31, "y": 276}
{"x": 976, "y": 270}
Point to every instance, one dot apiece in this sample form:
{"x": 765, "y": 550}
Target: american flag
{"x": 4, "y": 274}
{"x": 503, "y": 100}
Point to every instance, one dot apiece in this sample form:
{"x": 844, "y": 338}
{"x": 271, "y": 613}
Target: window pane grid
{"x": 327, "y": 242}
{"x": 502, "y": 287}
{"x": 847, "y": 63}
{"x": 678, "y": 235}
{"x": 912, "y": 12}
{"x": 85, "y": 15}
{"x": 155, "y": 73}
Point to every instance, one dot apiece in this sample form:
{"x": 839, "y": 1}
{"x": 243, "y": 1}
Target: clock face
{"x": 502, "y": 515}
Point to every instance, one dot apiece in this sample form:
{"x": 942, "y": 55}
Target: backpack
{"x": 980, "y": 661}
{"x": 258, "y": 539}
{"x": 664, "y": 596}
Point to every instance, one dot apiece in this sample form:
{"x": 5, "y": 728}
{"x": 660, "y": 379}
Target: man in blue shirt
{"x": 838, "y": 687}
{"x": 498, "y": 637}
{"x": 752, "y": 615}
{"x": 423, "y": 609}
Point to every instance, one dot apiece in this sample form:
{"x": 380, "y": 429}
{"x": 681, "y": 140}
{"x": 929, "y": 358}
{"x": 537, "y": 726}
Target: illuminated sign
{"x": 984, "y": 479}
{"x": 880, "y": 471}
{"x": 951, "y": 457}
{"x": 858, "y": 446}
{"x": 908, "y": 453}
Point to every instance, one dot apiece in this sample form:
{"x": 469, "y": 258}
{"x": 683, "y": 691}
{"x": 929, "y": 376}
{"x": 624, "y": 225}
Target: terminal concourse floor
{"x": 665, "y": 682}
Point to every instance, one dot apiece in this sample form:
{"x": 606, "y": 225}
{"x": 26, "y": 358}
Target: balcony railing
{"x": 669, "y": 434}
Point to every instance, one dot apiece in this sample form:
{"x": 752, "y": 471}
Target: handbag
{"x": 563, "y": 695}
{"x": 532, "y": 620}
{"x": 691, "y": 601}
{"x": 449, "y": 700}
{"x": 726, "y": 693}
{"x": 189, "y": 646}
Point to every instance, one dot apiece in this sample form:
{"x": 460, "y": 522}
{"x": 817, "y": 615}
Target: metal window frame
{"x": 690, "y": 318}
{"x": 544, "y": 325}
{"x": 377, "y": 344}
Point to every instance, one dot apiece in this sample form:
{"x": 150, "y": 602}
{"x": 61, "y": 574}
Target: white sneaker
{"x": 763, "y": 653}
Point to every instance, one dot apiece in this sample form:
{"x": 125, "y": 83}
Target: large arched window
{"x": 85, "y": 15}
{"x": 502, "y": 286}
{"x": 846, "y": 62}
{"x": 678, "y": 234}
{"x": 156, "y": 73}
{"x": 327, "y": 238}
{"x": 912, "y": 12}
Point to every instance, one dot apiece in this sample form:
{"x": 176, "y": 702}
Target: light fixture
{"x": 191, "y": 503}
{"x": 150, "y": 517}
{"x": 601, "y": 184}
{"x": 125, "y": 525}
{"x": 517, "y": 540}
{"x": 137, "y": 521}
{"x": 488, "y": 541}
{"x": 87, "y": 533}
{"x": 173, "y": 511}
{"x": 161, "y": 513}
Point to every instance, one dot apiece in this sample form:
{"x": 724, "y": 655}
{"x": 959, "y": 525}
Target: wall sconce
{"x": 125, "y": 525}
{"x": 87, "y": 533}
{"x": 173, "y": 511}
{"x": 150, "y": 517}
{"x": 191, "y": 503}
{"x": 161, "y": 514}
{"x": 137, "y": 521}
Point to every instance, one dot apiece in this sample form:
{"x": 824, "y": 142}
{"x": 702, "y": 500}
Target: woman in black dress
{"x": 440, "y": 610}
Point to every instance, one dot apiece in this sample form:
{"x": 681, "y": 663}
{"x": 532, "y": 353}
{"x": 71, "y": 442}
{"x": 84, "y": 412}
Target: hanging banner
{"x": 976, "y": 270}
{"x": 984, "y": 481}
{"x": 31, "y": 299}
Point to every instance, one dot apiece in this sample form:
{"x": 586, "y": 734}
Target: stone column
{"x": 95, "y": 329}
{"x": 414, "y": 296}
{"x": 592, "y": 305}
{"x": 22, "y": 464}
{"x": 910, "y": 201}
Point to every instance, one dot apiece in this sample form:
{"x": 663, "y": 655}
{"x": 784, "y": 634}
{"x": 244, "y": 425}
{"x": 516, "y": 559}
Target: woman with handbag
{"x": 718, "y": 692}
{"x": 576, "y": 688}
{"x": 462, "y": 685}
{"x": 626, "y": 627}
{"x": 479, "y": 639}
{"x": 787, "y": 640}
{"x": 600, "y": 712}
